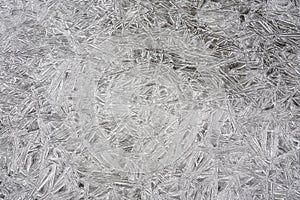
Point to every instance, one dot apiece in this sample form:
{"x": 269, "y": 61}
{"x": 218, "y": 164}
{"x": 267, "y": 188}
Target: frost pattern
{"x": 149, "y": 100}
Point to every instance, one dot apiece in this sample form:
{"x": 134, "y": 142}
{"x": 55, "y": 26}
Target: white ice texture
{"x": 149, "y": 100}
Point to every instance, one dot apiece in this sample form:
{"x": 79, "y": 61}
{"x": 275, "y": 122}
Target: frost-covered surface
{"x": 149, "y": 99}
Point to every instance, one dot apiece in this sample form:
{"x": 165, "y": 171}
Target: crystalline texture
{"x": 149, "y": 100}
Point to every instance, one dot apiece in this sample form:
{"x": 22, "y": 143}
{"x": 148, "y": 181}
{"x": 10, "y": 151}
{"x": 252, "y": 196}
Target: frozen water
{"x": 149, "y": 100}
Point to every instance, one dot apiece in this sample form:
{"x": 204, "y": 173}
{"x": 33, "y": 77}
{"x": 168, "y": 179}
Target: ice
{"x": 149, "y": 100}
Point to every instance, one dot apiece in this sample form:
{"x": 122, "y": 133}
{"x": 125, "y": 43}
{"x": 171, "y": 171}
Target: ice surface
{"x": 149, "y": 100}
